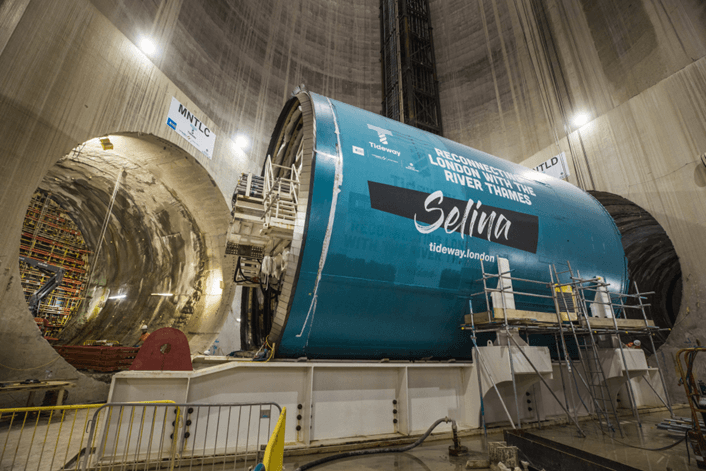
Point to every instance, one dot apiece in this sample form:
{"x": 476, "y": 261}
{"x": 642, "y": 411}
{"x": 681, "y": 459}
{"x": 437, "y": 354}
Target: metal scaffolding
{"x": 51, "y": 241}
{"x": 586, "y": 315}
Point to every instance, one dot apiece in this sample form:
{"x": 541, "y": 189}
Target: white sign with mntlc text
{"x": 191, "y": 128}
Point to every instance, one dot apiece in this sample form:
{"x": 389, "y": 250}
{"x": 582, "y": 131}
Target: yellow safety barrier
{"x": 47, "y": 438}
{"x": 141, "y": 435}
{"x": 274, "y": 453}
{"x": 177, "y": 436}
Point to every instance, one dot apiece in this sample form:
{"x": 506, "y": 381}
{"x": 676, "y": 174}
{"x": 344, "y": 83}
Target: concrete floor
{"x": 428, "y": 456}
{"x": 433, "y": 456}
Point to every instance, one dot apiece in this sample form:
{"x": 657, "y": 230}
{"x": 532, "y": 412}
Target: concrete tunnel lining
{"x": 158, "y": 238}
{"x": 45, "y": 117}
{"x": 168, "y": 201}
{"x": 653, "y": 263}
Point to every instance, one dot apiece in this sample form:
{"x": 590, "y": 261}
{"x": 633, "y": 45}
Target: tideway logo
{"x": 382, "y": 133}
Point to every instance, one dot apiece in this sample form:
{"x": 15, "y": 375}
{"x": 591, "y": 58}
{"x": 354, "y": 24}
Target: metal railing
{"x": 586, "y": 312}
{"x": 44, "y": 438}
{"x": 280, "y": 196}
{"x": 169, "y": 436}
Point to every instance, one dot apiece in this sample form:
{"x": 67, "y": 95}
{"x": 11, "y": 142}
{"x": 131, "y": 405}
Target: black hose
{"x": 239, "y": 270}
{"x": 375, "y": 451}
{"x": 667, "y": 447}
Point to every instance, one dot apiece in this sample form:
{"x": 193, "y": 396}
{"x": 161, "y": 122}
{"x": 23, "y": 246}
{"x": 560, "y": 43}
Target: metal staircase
{"x": 595, "y": 378}
{"x": 586, "y": 315}
{"x": 281, "y": 187}
{"x": 264, "y": 212}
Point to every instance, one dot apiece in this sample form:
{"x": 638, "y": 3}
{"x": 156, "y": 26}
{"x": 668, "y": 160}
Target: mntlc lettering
{"x": 187, "y": 114}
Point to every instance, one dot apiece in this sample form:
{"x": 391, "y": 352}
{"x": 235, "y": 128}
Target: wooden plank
{"x": 250, "y": 204}
{"x": 243, "y": 216}
{"x": 516, "y": 315}
{"x": 602, "y": 323}
{"x": 37, "y": 386}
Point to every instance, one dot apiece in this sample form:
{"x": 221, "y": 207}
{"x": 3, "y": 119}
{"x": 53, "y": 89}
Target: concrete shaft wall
{"x": 639, "y": 71}
{"x": 512, "y": 74}
{"x": 68, "y": 74}
{"x": 240, "y": 60}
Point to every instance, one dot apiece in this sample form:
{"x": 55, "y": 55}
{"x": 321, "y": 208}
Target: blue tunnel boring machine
{"x": 362, "y": 238}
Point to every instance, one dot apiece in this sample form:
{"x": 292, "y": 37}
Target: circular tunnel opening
{"x": 151, "y": 222}
{"x": 653, "y": 263}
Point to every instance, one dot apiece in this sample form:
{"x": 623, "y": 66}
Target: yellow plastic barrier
{"x": 274, "y": 453}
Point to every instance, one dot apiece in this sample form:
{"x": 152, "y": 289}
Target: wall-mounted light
{"x": 148, "y": 46}
{"x": 580, "y": 119}
{"x": 106, "y": 144}
{"x": 242, "y": 142}
{"x": 118, "y": 296}
{"x": 214, "y": 286}
{"x": 238, "y": 319}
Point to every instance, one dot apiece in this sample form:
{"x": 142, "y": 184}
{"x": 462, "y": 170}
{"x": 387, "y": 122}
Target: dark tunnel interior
{"x": 653, "y": 263}
{"x": 147, "y": 262}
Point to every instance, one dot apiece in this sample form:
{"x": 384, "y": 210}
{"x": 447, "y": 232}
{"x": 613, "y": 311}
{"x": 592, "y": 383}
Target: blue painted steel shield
{"x": 413, "y": 216}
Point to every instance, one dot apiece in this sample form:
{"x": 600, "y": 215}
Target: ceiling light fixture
{"x": 118, "y": 296}
{"x": 162, "y": 294}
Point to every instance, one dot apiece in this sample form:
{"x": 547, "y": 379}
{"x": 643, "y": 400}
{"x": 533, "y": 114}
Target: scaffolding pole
{"x": 595, "y": 381}
{"x": 668, "y": 402}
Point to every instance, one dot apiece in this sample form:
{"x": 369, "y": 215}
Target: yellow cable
{"x": 271, "y": 354}
{"x": 33, "y": 368}
{"x": 267, "y": 344}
